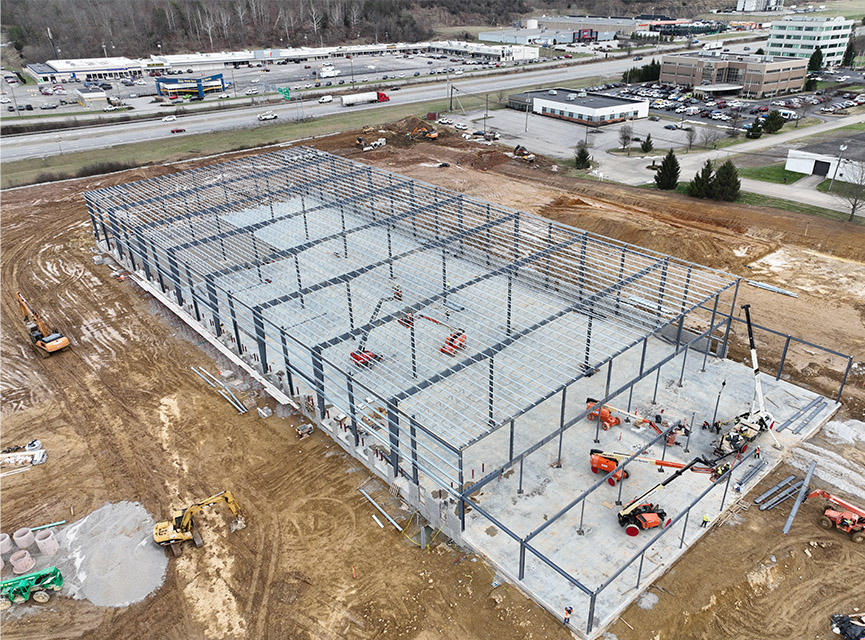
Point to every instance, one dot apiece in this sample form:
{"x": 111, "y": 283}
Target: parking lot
{"x": 262, "y": 79}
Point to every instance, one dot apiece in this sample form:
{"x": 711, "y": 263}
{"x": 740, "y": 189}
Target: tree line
{"x": 138, "y": 28}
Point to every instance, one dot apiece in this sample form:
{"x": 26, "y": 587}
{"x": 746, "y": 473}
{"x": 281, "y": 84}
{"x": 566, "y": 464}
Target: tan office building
{"x": 716, "y": 74}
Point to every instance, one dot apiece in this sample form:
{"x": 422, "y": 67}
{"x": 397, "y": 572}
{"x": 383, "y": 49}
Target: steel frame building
{"x": 298, "y": 258}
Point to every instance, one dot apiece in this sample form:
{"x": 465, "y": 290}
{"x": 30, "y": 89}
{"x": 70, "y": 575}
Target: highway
{"x": 37, "y": 145}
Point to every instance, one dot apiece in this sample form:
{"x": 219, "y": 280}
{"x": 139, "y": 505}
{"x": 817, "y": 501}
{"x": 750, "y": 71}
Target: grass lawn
{"x": 759, "y": 200}
{"x": 771, "y": 173}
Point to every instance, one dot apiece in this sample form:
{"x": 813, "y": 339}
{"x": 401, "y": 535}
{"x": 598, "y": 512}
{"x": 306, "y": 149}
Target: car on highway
{"x": 169, "y": 118}
{"x": 324, "y": 99}
{"x": 267, "y": 115}
{"x": 178, "y": 130}
{"x": 251, "y": 92}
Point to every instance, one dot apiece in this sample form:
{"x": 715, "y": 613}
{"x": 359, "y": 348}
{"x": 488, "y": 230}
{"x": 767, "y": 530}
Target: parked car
{"x": 222, "y": 96}
{"x": 654, "y": 118}
{"x": 48, "y": 105}
{"x": 110, "y": 107}
{"x": 671, "y": 127}
{"x": 251, "y": 92}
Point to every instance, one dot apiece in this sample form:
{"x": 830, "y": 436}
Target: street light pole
{"x": 842, "y": 149}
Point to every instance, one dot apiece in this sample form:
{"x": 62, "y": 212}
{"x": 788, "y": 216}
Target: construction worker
{"x": 397, "y": 292}
{"x": 568, "y": 612}
{"x": 757, "y": 454}
{"x": 705, "y": 521}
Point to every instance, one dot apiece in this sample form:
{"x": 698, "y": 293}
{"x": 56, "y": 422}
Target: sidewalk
{"x": 632, "y": 171}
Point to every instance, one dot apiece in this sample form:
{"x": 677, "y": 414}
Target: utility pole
{"x": 486, "y": 112}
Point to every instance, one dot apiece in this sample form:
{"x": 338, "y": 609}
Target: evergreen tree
{"x": 773, "y": 122}
{"x": 582, "y": 159}
{"x": 815, "y": 63}
{"x": 667, "y": 176}
{"x": 647, "y": 145}
{"x": 756, "y": 129}
{"x": 725, "y": 185}
{"x": 701, "y": 185}
{"x": 849, "y": 54}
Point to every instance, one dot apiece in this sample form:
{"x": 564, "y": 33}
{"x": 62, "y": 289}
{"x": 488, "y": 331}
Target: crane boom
{"x": 837, "y": 501}
{"x": 641, "y": 499}
{"x": 758, "y": 386}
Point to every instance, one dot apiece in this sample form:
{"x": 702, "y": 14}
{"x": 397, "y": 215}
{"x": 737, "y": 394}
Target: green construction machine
{"x": 37, "y": 584}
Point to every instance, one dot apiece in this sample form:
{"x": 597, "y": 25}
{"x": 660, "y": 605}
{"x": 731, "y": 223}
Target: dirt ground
{"x": 123, "y": 418}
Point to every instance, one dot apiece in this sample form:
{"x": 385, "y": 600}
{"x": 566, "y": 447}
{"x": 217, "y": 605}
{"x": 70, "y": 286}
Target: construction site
{"x": 531, "y": 396}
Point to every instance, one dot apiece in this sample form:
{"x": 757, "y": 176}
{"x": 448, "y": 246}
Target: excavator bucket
{"x": 237, "y": 524}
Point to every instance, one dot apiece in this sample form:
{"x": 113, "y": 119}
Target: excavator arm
{"x": 190, "y": 512}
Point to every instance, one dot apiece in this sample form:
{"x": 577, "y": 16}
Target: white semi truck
{"x": 364, "y": 98}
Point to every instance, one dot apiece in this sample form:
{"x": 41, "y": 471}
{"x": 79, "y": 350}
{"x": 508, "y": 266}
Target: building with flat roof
{"x": 90, "y": 97}
{"x": 86, "y": 69}
{"x": 829, "y": 160}
{"x": 799, "y": 37}
{"x": 718, "y": 73}
{"x": 190, "y": 86}
{"x": 759, "y": 5}
{"x": 595, "y": 109}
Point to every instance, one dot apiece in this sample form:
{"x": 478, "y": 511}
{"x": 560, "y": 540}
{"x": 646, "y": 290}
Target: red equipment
{"x": 605, "y": 461}
{"x": 850, "y": 520}
{"x": 607, "y": 418}
{"x": 454, "y": 342}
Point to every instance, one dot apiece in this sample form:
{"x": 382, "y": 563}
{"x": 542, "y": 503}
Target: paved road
{"x": 52, "y": 143}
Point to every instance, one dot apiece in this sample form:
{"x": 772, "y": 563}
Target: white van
{"x": 324, "y": 99}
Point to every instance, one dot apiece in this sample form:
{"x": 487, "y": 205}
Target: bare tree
{"x": 626, "y": 134}
{"x": 851, "y": 190}
{"x": 735, "y": 119}
{"x": 240, "y": 10}
{"x": 208, "y": 23}
{"x": 354, "y": 14}
{"x": 315, "y": 16}
{"x": 710, "y": 136}
{"x": 690, "y": 135}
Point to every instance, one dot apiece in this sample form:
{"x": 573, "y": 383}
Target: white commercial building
{"x": 107, "y": 68}
{"x": 579, "y": 106}
{"x": 759, "y": 5}
{"x": 843, "y": 160}
{"x": 799, "y": 37}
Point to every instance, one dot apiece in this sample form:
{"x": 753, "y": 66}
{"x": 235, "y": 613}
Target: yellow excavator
{"x": 45, "y": 341}
{"x": 424, "y": 132}
{"x": 181, "y": 527}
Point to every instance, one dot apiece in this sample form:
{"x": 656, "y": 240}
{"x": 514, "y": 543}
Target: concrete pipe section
{"x": 5, "y": 543}
{"x": 23, "y": 538}
{"x": 22, "y": 562}
{"x": 47, "y": 542}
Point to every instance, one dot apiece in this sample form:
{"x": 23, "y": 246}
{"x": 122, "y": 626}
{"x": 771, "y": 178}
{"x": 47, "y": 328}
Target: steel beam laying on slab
{"x": 798, "y": 414}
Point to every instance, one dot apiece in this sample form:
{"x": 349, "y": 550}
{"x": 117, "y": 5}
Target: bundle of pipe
{"x": 749, "y": 475}
{"x": 220, "y": 387}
